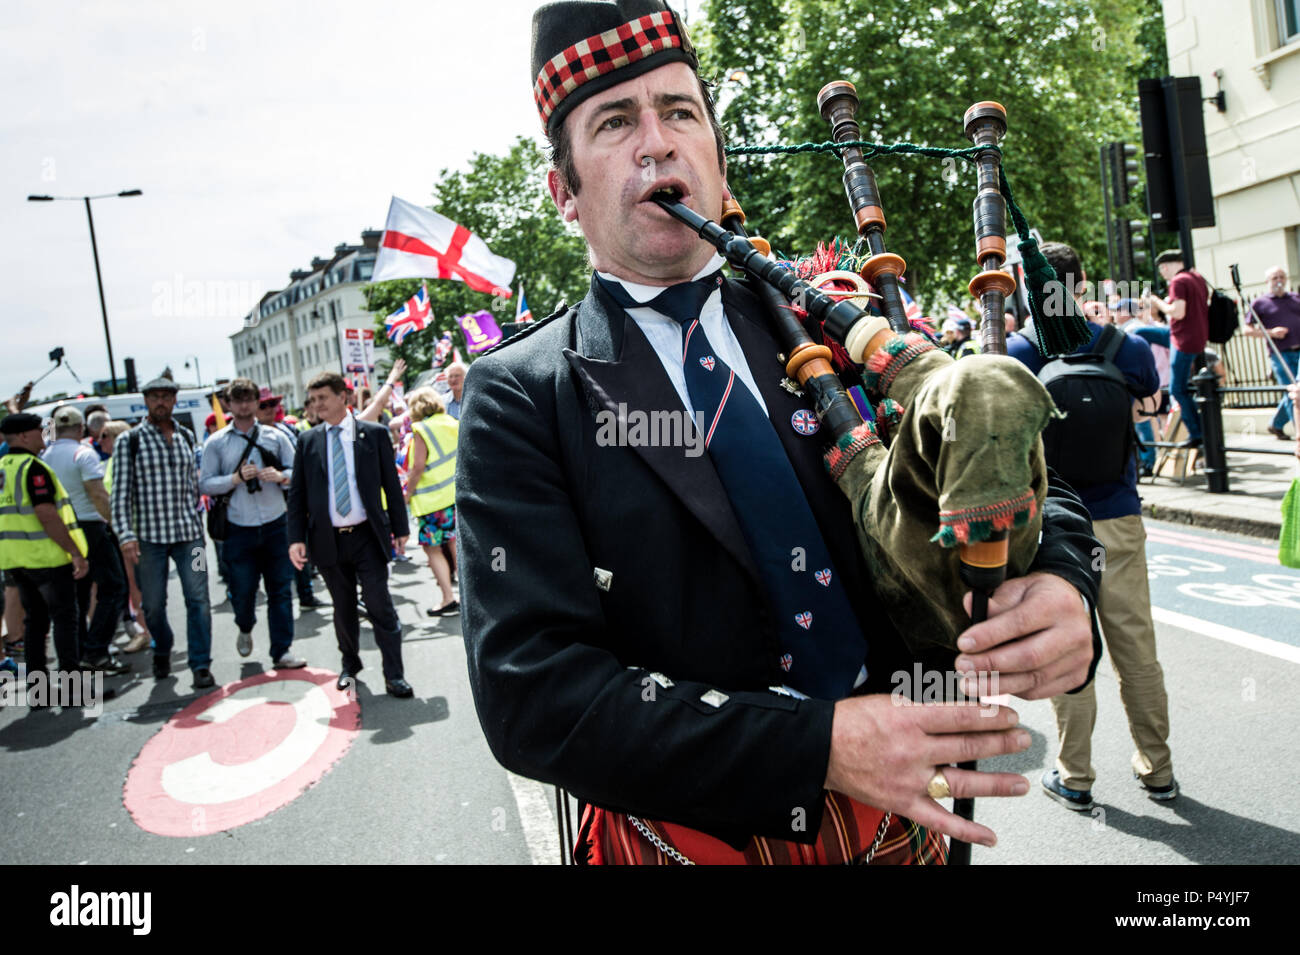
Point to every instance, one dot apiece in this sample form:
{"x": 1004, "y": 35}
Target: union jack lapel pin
{"x": 824, "y": 577}
{"x": 805, "y": 422}
{"x": 804, "y": 619}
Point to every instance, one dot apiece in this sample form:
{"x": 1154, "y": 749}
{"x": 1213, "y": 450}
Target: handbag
{"x": 219, "y": 513}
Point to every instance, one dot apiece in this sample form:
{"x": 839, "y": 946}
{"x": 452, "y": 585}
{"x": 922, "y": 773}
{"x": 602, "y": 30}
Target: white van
{"x": 193, "y": 405}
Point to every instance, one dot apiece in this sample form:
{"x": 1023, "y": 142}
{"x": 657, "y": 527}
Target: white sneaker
{"x": 244, "y": 644}
{"x": 290, "y": 662}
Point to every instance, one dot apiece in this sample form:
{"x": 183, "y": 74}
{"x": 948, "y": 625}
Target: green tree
{"x": 1062, "y": 68}
{"x": 503, "y": 200}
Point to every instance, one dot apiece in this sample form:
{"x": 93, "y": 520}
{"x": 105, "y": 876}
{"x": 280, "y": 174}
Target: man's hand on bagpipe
{"x": 1035, "y": 644}
{"x": 884, "y": 751}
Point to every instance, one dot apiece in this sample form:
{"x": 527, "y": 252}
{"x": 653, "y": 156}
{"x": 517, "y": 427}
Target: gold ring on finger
{"x": 938, "y": 787}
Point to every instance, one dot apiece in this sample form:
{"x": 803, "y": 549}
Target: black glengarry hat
{"x": 581, "y": 47}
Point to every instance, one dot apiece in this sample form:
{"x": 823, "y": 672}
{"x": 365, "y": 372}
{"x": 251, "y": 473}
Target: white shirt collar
{"x": 348, "y": 425}
{"x": 644, "y": 293}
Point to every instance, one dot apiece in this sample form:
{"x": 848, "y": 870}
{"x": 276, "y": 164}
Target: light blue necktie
{"x": 342, "y": 500}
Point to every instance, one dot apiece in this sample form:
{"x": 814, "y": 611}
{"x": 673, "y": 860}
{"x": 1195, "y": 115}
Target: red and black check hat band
{"x": 636, "y": 46}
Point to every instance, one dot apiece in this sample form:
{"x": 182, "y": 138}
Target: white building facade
{"x": 294, "y": 334}
{"x": 1251, "y": 50}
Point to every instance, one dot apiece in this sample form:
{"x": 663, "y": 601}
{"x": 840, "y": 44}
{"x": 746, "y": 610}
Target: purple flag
{"x": 481, "y": 331}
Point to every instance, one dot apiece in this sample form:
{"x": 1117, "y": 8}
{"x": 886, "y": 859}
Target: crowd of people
{"x": 94, "y": 512}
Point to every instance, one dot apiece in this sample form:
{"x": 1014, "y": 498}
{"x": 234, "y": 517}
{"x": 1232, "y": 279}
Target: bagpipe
{"x": 947, "y": 479}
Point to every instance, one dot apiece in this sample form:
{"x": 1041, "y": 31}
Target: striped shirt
{"x": 164, "y": 509}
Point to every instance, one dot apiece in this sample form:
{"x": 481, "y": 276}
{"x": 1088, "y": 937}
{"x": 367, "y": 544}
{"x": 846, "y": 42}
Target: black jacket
{"x": 561, "y": 666}
{"x": 309, "y": 491}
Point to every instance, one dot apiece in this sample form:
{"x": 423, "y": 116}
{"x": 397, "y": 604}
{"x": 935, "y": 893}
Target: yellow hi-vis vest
{"x": 437, "y": 487}
{"x": 23, "y": 541}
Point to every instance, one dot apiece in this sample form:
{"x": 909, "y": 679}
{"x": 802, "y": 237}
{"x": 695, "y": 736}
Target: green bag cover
{"x": 964, "y": 459}
{"x": 1288, "y": 547}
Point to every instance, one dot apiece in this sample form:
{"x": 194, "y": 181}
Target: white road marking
{"x": 1218, "y": 631}
{"x": 200, "y": 780}
{"x": 534, "y": 800}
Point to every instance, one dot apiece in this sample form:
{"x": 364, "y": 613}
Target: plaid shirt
{"x": 165, "y": 508}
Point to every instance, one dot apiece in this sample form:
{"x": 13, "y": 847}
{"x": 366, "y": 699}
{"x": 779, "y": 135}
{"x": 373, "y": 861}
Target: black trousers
{"x": 49, "y": 596}
{"x": 361, "y": 559}
{"x": 109, "y": 578}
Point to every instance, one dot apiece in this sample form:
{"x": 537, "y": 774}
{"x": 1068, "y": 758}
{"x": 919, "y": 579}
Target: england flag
{"x": 419, "y": 243}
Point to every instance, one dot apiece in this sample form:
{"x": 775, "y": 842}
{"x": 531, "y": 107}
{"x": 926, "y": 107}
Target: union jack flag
{"x": 804, "y": 619}
{"x": 913, "y": 311}
{"x": 411, "y": 317}
{"x": 824, "y": 577}
{"x": 786, "y": 661}
{"x": 708, "y": 362}
{"x": 522, "y": 312}
{"x": 443, "y": 350}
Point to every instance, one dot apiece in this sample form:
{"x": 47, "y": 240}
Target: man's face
{"x": 456, "y": 381}
{"x": 330, "y": 407}
{"x": 627, "y": 142}
{"x": 309, "y": 409}
{"x": 33, "y": 440}
{"x": 1276, "y": 281}
{"x": 243, "y": 408}
{"x": 160, "y": 404}
{"x": 1169, "y": 269}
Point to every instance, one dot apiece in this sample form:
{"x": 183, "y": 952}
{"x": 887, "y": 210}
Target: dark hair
{"x": 328, "y": 379}
{"x": 562, "y": 146}
{"x": 91, "y": 409}
{"x": 1066, "y": 263}
{"x": 241, "y": 389}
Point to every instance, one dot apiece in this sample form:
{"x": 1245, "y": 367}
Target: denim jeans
{"x": 1181, "y": 368}
{"x": 191, "y": 561}
{"x": 261, "y": 553}
{"x": 1291, "y": 359}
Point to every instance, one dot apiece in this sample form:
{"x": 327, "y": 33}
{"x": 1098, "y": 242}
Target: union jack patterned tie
{"x": 822, "y": 647}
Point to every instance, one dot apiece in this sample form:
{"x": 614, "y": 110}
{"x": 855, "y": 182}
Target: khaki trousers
{"x": 1130, "y": 637}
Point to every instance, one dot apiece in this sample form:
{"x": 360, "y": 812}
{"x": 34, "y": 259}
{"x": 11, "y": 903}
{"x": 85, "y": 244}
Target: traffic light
{"x": 1130, "y": 249}
{"x": 1123, "y": 175}
{"x": 1137, "y": 248}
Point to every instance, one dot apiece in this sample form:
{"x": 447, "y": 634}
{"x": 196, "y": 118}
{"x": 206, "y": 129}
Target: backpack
{"x": 1222, "y": 314}
{"x": 1095, "y": 441}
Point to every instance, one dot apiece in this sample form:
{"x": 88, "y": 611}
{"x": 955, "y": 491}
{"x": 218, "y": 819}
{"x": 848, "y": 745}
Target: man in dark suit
{"x": 623, "y": 620}
{"x": 338, "y": 522}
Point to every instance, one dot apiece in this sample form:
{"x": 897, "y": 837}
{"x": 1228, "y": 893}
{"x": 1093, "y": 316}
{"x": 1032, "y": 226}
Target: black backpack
{"x": 1095, "y": 441}
{"x": 1222, "y": 316}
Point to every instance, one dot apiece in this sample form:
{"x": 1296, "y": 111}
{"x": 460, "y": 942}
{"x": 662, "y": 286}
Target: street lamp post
{"x": 266, "y": 359}
{"x": 196, "y": 368}
{"x": 337, "y": 348}
{"x": 99, "y": 279}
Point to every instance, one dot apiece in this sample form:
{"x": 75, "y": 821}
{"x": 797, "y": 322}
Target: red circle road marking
{"x": 240, "y": 753}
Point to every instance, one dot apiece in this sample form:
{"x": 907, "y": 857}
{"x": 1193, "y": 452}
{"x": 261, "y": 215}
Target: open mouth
{"x": 670, "y": 191}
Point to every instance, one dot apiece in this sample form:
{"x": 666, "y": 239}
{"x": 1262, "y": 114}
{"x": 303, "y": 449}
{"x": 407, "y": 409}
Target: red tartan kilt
{"x": 847, "y": 831}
